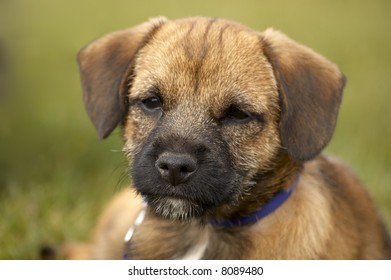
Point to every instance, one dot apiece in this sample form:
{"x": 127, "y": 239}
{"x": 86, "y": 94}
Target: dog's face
{"x": 202, "y": 101}
{"x": 207, "y": 107}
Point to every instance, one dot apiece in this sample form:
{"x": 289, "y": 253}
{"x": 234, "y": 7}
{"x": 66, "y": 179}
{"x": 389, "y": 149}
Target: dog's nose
{"x": 176, "y": 168}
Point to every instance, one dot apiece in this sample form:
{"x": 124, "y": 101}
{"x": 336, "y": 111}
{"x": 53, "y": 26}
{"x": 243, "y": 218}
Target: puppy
{"x": 223, "y": 127}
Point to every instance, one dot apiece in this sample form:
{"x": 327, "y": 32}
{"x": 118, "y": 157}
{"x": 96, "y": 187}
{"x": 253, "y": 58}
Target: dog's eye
{"x": 152, "y": 103}
{"x": 237, "y": 115}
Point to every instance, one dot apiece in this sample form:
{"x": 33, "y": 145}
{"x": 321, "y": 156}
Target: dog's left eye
{"x": 152, "y": 103}
{"x": 237, "y": 115}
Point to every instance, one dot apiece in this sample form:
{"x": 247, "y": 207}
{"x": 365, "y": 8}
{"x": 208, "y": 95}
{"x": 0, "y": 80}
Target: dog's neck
{"x": 270, "y": 206}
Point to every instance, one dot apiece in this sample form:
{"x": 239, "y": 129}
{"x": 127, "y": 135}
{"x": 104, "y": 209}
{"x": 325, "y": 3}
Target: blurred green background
{"x": 55, "y": 176}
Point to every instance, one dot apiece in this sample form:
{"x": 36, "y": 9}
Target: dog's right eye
{"x": 151, "y": 104}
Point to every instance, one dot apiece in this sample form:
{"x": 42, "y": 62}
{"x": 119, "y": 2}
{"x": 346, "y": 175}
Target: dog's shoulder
{"x": 355, "y": 219}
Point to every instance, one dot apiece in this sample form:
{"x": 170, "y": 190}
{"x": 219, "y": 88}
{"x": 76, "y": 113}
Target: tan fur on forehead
{"x": 220, "y": 62}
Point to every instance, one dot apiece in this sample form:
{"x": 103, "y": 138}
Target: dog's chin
{"x": 175, "y": 208}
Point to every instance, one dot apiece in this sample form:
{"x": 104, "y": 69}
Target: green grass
{"x": 55, "y": 175}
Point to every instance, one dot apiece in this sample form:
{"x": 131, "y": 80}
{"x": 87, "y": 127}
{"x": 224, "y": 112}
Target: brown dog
{"x": 223, "y": 127}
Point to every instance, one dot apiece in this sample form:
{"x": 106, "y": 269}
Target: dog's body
{"x": 219, "y": 120}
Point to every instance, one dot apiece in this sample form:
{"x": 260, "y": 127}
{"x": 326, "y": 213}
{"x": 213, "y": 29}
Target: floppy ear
{"x": 105, "y": 66}
{"x": 310, "y": 89}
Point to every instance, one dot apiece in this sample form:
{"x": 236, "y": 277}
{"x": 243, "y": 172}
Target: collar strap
{"x": 262, "y": 212}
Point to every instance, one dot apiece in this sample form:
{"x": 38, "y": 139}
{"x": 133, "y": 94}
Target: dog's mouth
{"x": 175, "y": 207}
{"x": 195, "y": 199}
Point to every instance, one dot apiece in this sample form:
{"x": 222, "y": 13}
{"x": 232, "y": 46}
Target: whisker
{"x": 122, "y": 169}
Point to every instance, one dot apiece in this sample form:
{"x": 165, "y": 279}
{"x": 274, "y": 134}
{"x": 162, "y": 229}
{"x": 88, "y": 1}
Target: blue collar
{"x": 262, "y": 212}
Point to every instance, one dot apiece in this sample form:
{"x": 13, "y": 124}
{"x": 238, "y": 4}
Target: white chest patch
{"x": 197, "y": 251}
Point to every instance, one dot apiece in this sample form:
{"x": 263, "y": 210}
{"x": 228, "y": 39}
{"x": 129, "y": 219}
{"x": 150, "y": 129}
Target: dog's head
{"x": 207, "y": 106}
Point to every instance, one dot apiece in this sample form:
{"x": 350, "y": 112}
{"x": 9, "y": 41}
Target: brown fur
{"x": 199, "y": 67}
